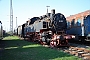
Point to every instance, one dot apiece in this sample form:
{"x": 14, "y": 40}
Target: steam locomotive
{"x": 47, "y": 29}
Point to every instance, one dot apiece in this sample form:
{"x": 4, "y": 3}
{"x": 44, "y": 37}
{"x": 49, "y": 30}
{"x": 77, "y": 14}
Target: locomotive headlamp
{"x": 50, "y": 32}
{"x": 58, "y": 37}
{"x": 73, "y": 36}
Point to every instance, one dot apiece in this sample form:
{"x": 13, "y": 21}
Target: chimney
{"x": 53, "y": 11}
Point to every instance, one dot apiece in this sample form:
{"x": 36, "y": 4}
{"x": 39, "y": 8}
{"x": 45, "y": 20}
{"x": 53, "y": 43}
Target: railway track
{"x": 80, "y": 51}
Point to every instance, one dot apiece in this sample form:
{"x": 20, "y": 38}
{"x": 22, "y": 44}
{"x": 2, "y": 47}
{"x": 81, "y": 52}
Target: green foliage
{"x": 16, "y": 49}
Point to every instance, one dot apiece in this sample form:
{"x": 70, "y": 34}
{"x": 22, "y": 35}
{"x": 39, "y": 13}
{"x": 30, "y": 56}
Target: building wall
{"x": 78, "y": 18}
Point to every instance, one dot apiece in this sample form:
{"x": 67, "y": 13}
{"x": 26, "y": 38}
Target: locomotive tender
{"x": 47, "y": 29}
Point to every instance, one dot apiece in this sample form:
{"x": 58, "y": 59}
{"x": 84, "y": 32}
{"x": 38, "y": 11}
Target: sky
{"x": 26, "y": 9}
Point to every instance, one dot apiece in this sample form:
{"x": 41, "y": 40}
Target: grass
{"x": 11, "y": 38}
{"x": 89, "y": 48}
{"x": 12, "y": 48}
